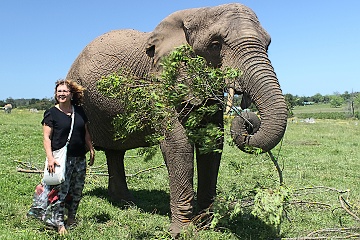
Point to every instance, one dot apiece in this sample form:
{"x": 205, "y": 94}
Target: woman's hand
{"x": 52, "y": 163}
{"x": 92, "y": 157}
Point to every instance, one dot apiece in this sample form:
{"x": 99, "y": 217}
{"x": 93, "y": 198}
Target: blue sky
{"x": 315, "y": 43}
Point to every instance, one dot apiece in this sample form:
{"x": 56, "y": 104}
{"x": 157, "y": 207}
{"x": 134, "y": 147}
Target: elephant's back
{"x": 115, "y": 49}
{"x": 108, "y": 53}
{"x": 103, "y": 56}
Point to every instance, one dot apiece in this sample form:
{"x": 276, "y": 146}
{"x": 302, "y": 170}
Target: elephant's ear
{"x": 168, "y": 35}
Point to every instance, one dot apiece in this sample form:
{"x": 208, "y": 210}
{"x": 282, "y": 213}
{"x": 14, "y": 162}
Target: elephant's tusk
{"x": 230, "y": 100}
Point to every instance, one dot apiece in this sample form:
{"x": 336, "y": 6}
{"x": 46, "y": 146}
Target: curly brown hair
{"x": 76, "y": 89}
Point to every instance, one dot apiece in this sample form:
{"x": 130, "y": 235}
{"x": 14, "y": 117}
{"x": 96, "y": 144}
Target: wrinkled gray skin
{"x": 226, "y": 36}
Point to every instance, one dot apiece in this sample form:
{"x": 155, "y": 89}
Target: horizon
{"x": 306, "y": 96}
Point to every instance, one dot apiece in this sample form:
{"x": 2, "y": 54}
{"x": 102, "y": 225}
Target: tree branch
{"x": 342, "y": 203}
{"x": 145, "y": 170}
{"x": 277, "y": 167}
{"x": 29, "y": 170}
{"x": 23, "y": 170}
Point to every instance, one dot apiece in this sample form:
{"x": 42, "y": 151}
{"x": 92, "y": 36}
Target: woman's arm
{"x": 47, "y": 131}
{"x": 88, "y": 143}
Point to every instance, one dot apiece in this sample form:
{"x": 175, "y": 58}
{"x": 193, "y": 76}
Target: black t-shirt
{"x": 60, "y": 124}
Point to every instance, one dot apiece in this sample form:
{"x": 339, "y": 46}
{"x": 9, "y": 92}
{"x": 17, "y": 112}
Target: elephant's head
{"x": 230, "y": 35}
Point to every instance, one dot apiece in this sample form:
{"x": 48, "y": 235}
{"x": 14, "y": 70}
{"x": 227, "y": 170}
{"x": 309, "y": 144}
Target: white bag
{"x": 59, "y": 175}
{"x": 60, "y": 156}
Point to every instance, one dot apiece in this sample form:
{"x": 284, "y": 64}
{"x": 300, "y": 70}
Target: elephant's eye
{"x": 215, "y": 45}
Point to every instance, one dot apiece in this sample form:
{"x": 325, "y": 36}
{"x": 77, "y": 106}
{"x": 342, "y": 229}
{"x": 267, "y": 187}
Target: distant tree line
{"x": 349, "y": 100}
{"x": 335, "y": 100}
{"x": 352, "y": 100}
{"x": 22, "y": 103}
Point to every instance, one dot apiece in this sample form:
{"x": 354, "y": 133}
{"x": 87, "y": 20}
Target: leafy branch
{"x": 187, "y": 89}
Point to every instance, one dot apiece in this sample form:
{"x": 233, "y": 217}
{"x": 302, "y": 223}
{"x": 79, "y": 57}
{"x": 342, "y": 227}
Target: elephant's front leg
{"x": 207, "y": 169}
{"x": 117, "y": 186}
{"x": 179, "y": 156}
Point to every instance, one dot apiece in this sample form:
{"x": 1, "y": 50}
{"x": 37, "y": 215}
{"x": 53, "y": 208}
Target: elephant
{"x": 228, "y": 35}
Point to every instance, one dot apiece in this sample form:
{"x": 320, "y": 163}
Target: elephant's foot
{"x": 203, "y": 218}
{"x": 117, "y": 187}
{"x": 119, "y": 194}
{"x": 181, "y": 217}
{"x": 204, "y": 205}
{"x": 176, "y": 227}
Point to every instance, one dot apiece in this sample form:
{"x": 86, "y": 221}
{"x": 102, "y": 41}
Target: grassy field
{"x": 320, "y": 164}
{"x": 315, "y": 108}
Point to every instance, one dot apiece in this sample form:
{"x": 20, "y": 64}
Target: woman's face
{"x": 63, "y": 94}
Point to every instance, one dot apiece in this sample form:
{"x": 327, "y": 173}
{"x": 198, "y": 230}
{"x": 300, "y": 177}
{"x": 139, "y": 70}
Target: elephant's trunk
{"x": 260, "y": 83}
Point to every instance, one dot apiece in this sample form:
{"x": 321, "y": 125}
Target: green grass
{"x": 322, "y": 154}
{"x": 321, "y": 107}
{"x": 315, "y": 156}
{"x": 324, "y": 111}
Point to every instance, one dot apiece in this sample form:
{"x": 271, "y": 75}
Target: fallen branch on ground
{"x": 346, "y": 208}
{"x": 27, "y": 165}
{"x": 145, "y": 170}
{"x": 323, "y": 187}
{"x": 31, "y": 169}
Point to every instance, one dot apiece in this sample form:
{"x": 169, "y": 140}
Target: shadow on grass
{"x": 154, "y": 201}
{"x": 244, "y": 226}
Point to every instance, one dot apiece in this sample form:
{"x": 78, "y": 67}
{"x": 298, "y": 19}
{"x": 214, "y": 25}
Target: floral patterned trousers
{"x": 50, "y": 202}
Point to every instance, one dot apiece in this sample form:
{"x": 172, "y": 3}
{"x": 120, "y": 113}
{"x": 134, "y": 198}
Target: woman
{"x": 51, "y": 201}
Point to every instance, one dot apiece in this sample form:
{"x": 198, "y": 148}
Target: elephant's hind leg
{"x": 117, "y": 186}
